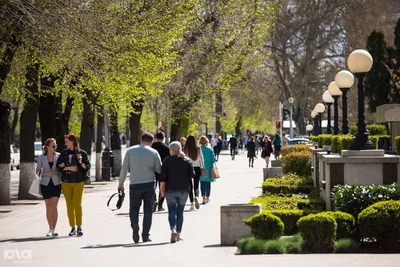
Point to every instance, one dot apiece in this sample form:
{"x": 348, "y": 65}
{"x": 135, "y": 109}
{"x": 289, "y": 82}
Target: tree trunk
{"x": 115, "y": 143}
{"x": 299, "y": 120}
{"x": 14, "y": 121}
{"x": 28, "y": 129}
{"x": 5, "y": 177}
{"x": 127, "y": 132}
{"x": 135, "y": 122}
{"x": 238, "y": 127}
{"x": 175, "y": 130}
{"x": 8, "y": 56}
{"x": 99, "y": 142}
{"x": 47, "y": 109}
{"x": 87, "y": 123}
{"x": 218, "y": 112}
{"x": 62, "y": 120}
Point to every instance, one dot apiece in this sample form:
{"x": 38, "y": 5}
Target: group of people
{"x": 177, "y": 170}
{"x": 66, "y": 172}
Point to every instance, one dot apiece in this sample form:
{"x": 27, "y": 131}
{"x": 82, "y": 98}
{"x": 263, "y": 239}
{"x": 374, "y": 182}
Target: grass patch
{"x": 346, "y": 246}
{"x": 252, "y": 245}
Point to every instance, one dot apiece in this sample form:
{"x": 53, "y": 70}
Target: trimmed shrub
{"x": 265, "y": 226}
{"x": 345, "y": 224}
{"x": 297, "y": 162}
{"x": 382, "y": 222}
{"x": 373, "y": 129}
{"x": 311, "y": 204}
{"x": 287, "y": 186}
{"x": 297, "y": 148}
{"x": 345, "y": 142}
{"x": 374, "y": 139}
{"x": 318, "y": 231}
{"x": 290, "y": 218}
{"x": 288, "y": 203}
{"x": 397, "y": 144}
{"x": 346, "y": 246}
{"x": 324, "y": 139}
{"x": 335, "y": 144}
{"x": 354, "y": 198}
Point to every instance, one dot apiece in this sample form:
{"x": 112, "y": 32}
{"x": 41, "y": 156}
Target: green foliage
{"x": 397, "y": 144}
{"x": 318, "y": 231}
{"x": 286, "y": 150}
{"x": 287, "y": 186}
{"x": 252, "y": 245}
{"x": 265, "y": 226}
{"x": 373, "y": 129}
{"x": 290, "y": 218}
{"x": 345, "y": 142}
{"x": 345, "y": 224}
{"x": 324, "y": 139}
{"x": 297, "y": 162}
{"x": 289, "y": 203}
{"x": 346, "y": 246}
{"x": 382, "y": 222}
{"x": 336, "y": 144}
{"x": 354, "y": 198}
{"x": 314, "y": 139}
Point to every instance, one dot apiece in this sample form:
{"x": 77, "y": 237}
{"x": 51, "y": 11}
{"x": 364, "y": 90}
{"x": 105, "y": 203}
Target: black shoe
{"x": 146, "y": 240}
{"x": 73, "y": 231}
{"x": 80, "y": 233}
{"x": 161, "y": 208}
{"x": 135, "y": 235}
{"x": 155, "y": 204}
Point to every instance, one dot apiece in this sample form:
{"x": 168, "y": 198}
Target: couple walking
{"x": 175, "y": 177}
{"x": 66, "y": 172}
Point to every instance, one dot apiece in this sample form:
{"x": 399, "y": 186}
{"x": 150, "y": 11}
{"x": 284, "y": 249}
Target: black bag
{"x": 121, "y": 197}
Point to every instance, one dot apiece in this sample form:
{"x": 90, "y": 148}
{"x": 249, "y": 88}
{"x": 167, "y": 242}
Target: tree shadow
{"x": 33, "y": 239}
{"x": 218, "y": 246}
{"x": 129, "y": 245}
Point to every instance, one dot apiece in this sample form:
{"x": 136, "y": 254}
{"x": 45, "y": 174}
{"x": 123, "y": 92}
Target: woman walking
{"x": 176, "y": 177}
{"x": 192, "y": 151}
{"x": 266, "y": 149}
{"x": 277, "y": 145}
{"x": 73, "y": 164}
{"x": 50, "y": 183}
{"x": 251, "y": 151}
{"x": 209, "y": 160}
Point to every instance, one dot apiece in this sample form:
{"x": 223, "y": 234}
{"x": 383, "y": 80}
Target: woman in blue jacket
{"x": 208, "y": 162}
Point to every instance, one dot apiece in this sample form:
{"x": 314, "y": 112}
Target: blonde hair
{"x": 203, "y": 140}
{"x": 177, "y": 148}
{"x": 47, "y": 143}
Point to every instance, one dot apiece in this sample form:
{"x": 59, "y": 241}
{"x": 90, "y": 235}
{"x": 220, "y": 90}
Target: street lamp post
{"x": 319, "y": 109}
{"x": 344, "y": 80}
{"x": 315, "y": 128}
{"x": 328, "y": 99}
{"x": 335, "y": 92}
{"x": 360, "y": 62}
{"x": 291, "y": 116}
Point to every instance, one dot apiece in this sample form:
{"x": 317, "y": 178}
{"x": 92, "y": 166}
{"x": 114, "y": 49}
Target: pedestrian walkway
{"x": 107, "y": 239}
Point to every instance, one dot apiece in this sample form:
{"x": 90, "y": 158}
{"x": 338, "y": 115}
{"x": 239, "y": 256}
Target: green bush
{"x": 354, "y": 198}
{"x": 293, "y": 244}
{"x": 288, "y": 203}
{"x": 318, "y": 231}
{"x": 287, "y": 186}
{"x": 274, "y": 246}
{"x": 335, "y": 144}
{"x": 265, "y": 226}
{"x": 314, "y": 139}
{"x": 397, "y": 144}
{"x": 346, "y": 246}
{"x": 297, "y": 148}
{"x": 297, "y": 162}
{"x": 382, "y": 222}
{"x": 252, "y": 245}
{"x": 345, "y": 142}
{"x": 374, "y": 129}
{"x": 375, "y": 140}
{"x": 345, "y": 224}
{"x": 324, "y": 139}
{"x": 290, "y": 218}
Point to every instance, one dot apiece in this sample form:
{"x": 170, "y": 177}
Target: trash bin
{"x": 106, "y": 164}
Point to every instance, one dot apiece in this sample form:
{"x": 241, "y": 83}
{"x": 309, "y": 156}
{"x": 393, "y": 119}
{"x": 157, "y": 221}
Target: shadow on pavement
{"x": 30, "y": 239}
{"x": 218, "y": 246}
{"x": 154, "y": 213}
{"x": 126, "y": 245}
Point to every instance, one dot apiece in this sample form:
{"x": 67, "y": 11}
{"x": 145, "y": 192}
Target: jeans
{"x": 176, "y": 201}
{"x": 194, "y": 186}
{"x": 138, "y": 193}
{"x": 205, "y": 189}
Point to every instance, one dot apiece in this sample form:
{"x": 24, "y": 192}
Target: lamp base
{"x": 361, "y": 142}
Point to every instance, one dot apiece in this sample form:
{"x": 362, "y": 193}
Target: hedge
{"x": 265, "y": 226}
{"x": 290, "y": 218}
{"x": 318, "y": 231}
{"x": 397, "y": 144}
{"x": 297, "y": 148}
{"x": 382, "y": 222}
{"x": 287, "y": 186}
{"x": 345, "y": 224}
{"x": 289, "y": 203}
{"x": 343, "y": 142}
{"x": 373, "y": 129}
{"x": 298, "y": 162}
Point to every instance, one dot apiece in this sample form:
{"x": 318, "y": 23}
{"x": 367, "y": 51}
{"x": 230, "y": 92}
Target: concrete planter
{"x": 276, "y": 163}
{"x": 272, "y": 172}
{"x": 232, "y": 225}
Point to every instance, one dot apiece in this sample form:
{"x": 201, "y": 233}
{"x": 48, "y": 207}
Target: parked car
{"x": 14, "y": 158}
{"x": 298, "y": 141}
{"x": 38, "y": 150}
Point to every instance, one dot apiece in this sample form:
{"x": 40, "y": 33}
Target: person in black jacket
{"x": 176, "y": 176}
{"x": 73, "y": 163}
{"x": 266, "y": 145}
{"x": 163, "y": 151}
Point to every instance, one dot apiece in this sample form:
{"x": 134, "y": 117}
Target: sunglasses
{"x": 54, "y": 146}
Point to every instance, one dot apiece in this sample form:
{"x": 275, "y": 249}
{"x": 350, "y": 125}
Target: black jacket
{"x": 177, "y": 172}
{"x": 162, "y": 150}
{"x": 73, "y": 177}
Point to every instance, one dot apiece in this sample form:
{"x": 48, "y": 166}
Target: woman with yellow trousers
{"x": 73, "y": 163}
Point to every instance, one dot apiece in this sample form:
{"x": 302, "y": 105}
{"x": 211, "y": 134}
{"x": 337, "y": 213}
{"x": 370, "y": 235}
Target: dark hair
{"x": 252, "y": 138}
{"x": 147, "y": 137}
{"x": 160, "y": 136}
{"x": 191, "y": 148}
{"x": 277, "y": 135}
{"x": 72, "y": 137}
{"x": 47, "y": 143}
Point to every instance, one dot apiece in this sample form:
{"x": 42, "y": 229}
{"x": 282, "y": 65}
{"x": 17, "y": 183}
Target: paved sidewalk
{"x": 107, "y": 239}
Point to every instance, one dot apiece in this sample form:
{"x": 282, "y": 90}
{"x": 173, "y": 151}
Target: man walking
{"x": 163, "y": 151}
{"x": 233, "y": 144}
{"x": 143, "y": 162}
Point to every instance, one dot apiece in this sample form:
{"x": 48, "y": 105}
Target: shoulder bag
{"x": 35, "y": 187}
{"x": 214, "y": 172}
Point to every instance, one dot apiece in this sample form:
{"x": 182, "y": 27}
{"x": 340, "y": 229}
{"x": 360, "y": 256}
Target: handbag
{"x": 35, "y": 187}
{"x": 204, "y": 172}
{"x": 214, "y": 172}
{"x": 121, "y": 197}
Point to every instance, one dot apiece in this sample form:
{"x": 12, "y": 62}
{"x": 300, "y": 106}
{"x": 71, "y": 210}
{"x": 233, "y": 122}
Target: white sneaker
{"x": 192, "y": 207}
{"x": 204, "y": 201}
{"x": 50, "y": 233}
{"x": 54, "y": 233}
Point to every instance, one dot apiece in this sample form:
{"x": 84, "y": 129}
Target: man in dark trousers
{"x": 233, "y": 144}
{"x": 163, "y": 151}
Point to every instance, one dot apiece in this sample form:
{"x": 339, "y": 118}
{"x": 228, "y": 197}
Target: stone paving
{"x": 107, "y": 239}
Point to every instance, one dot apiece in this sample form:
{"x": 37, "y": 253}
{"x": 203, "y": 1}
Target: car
{"x": 298, "y": 141}
{"x": 38, "y": 150}
{"x": 14, "y": 158}
{"x": 302, "y": 136}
